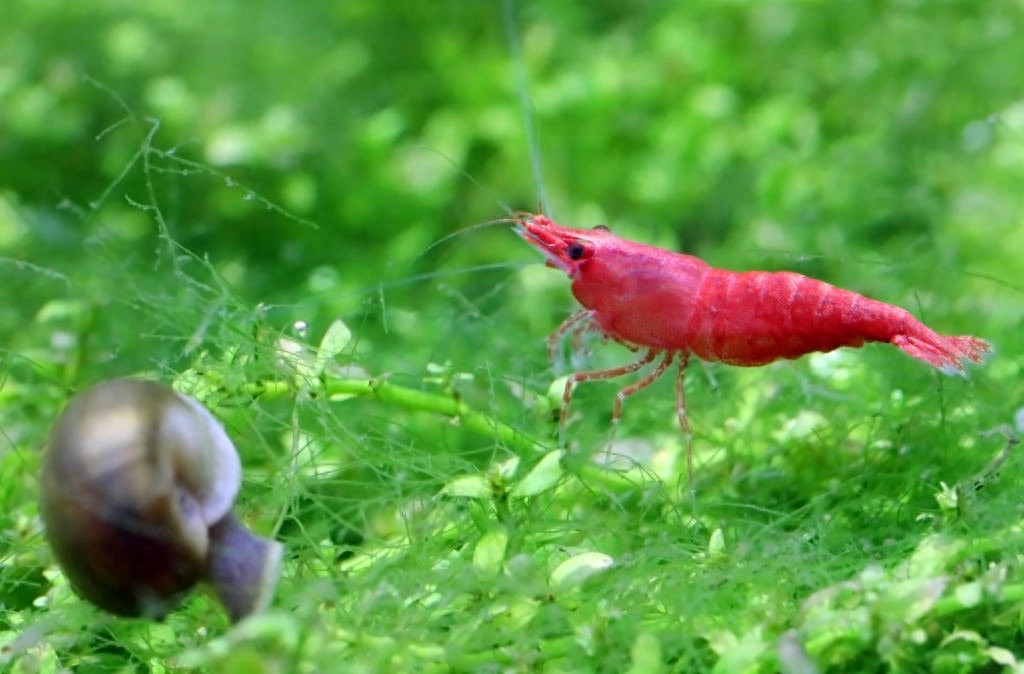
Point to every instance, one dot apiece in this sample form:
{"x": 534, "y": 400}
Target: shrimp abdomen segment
{"x": 754, "y": 318}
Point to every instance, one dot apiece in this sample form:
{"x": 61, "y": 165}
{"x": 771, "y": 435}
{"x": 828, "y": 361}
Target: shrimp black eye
{"x": 602, "y": 228}
{"x": 575, "y": 250}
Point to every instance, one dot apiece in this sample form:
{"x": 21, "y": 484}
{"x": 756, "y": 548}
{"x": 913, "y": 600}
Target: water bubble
{"x": 61, "y": 340}
{"x": 301, "y": 328}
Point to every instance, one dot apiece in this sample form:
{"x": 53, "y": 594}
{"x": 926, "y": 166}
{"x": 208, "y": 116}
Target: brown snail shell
{"x": 136, "y": 490}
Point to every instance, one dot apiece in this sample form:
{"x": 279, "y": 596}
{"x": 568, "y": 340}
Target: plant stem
{"x": 414, "y": 399}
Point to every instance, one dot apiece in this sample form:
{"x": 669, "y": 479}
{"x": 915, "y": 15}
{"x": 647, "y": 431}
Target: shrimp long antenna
{"x": 505, "y": 207}
{"x": 522, "y": 83}
{"x": 479, "y": 225}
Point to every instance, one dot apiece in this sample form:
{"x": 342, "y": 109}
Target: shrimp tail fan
{"x": 943, "y": 352}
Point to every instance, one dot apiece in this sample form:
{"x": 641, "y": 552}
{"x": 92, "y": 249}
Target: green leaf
{"x": 506, "y": 470}
{"x": 970, "y": 594}
{"x": 739, "y": 654}
{"x": 469, "y": 486}
{"x": 489, "y": 553}
{"x": 1003, "y": 657}
{"x": 61, "y": 310}
{"x": 716, "y": 544}
{"x": 337, "y": 337}
{"x": 575, "y": 570}
{"x": 555, "y": 392}
{"x": 545, "y": 475}
{"x": 947, "y": 497}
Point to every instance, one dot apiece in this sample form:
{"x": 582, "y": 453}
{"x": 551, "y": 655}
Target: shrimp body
{"x": 649, "y": 297}
{"x": 788, "y": 315}
{"x": 677, "y": 305}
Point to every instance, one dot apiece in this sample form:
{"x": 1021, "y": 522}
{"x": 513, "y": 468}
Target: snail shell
{"x": 136, "y": 488}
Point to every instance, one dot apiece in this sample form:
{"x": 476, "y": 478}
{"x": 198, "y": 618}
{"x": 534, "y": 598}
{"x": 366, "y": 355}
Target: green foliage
{"x": 242, "y": 200}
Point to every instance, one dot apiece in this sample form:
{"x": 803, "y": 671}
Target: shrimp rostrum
{"x": 673, "y": 306}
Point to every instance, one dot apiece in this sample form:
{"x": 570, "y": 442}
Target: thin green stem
{"x": 379, "y": 389}
{"x": 413, "y": 399}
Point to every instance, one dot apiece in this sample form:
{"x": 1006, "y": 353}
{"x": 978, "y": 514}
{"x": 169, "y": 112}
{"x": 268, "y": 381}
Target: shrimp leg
{"x": 627, "y": 391}
{"x": 575, "y": 326}
{"x": 593, "y": 375}
{"x": 684, "y": 421}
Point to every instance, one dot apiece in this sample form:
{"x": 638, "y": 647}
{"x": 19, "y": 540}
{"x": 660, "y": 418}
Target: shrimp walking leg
{"x": 684, "y": 421}
{"x": 593, "y": 375}
{"x": 627, "y": 391}
{"x": 575, "y": 325}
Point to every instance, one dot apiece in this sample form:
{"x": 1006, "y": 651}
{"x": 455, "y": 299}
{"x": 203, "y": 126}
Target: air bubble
{"x": 301, "y": 328}
{"x": 62, "y": 340}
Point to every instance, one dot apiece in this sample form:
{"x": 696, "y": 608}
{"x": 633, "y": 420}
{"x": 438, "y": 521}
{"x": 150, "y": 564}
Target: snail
{"x": 136, "y": 490}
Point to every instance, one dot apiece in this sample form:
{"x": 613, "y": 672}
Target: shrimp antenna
{"x": 479, "y": 225}
{"x": 505, "y": 207}
{"x": 522, "y": 83}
